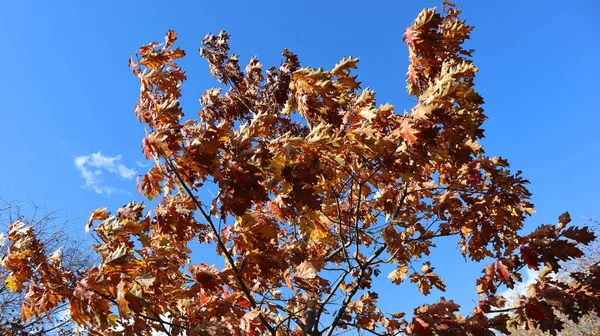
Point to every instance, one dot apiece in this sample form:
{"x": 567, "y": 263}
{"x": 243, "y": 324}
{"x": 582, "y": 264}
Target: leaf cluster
{"x": 317, "y": 188}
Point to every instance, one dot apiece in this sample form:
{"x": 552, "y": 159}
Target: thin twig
{"x": 222, "y": 246}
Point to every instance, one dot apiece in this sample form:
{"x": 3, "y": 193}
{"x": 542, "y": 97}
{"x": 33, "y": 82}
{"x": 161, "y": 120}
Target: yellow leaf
{"x": 422, "y": 112}
{"x": 344, "y": 66}
{"x": 11, "y": 283}
{"x": 369, "y": 114}
{"x": 399, "y": 274}
{"x": 320, "y": 229}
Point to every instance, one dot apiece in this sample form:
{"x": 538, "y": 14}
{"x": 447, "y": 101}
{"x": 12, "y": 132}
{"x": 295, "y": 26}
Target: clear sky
{"x": 70, "y": 139}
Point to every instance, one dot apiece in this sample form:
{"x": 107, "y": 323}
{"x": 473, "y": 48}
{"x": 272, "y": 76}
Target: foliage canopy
{"x": 51, "y": 237}
{"x": 318, "y": 186}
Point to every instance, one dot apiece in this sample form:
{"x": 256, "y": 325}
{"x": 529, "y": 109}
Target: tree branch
{"x": 222, "y": 246}
{"x": 354, "y": 290}
{"x": 363, "y": 267}
{"x": 330, "y": 296}
{"x": 365, "y": 329}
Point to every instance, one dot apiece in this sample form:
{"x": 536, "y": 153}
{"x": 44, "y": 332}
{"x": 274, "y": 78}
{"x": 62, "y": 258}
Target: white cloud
{"x": 143, "y": 165}
{"x": 91, "y": 167}
{"x": 520, "y": 288}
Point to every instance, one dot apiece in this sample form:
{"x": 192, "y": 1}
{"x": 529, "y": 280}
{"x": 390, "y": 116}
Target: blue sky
{"x": 68, "y": 94}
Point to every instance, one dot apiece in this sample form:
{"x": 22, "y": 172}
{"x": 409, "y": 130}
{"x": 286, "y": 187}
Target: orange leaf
{"x": 503, "y": 271}
{"x": 98, "y": 214}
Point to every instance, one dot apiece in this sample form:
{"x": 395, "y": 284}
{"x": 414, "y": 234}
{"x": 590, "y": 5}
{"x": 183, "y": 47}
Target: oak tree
{"x": 587, "y": 325}
{"x": 54, "y": 235}
{"x": 318, "y": 186}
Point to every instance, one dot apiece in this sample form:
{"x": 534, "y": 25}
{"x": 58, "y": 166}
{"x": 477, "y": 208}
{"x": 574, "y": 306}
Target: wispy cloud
{"x": 92, "y": 166}
{"x": 142, "y": 164}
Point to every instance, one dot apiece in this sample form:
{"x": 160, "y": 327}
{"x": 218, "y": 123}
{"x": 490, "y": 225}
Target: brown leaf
{"x": 563, "y": 220}
{"x": 98, "y": 214}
